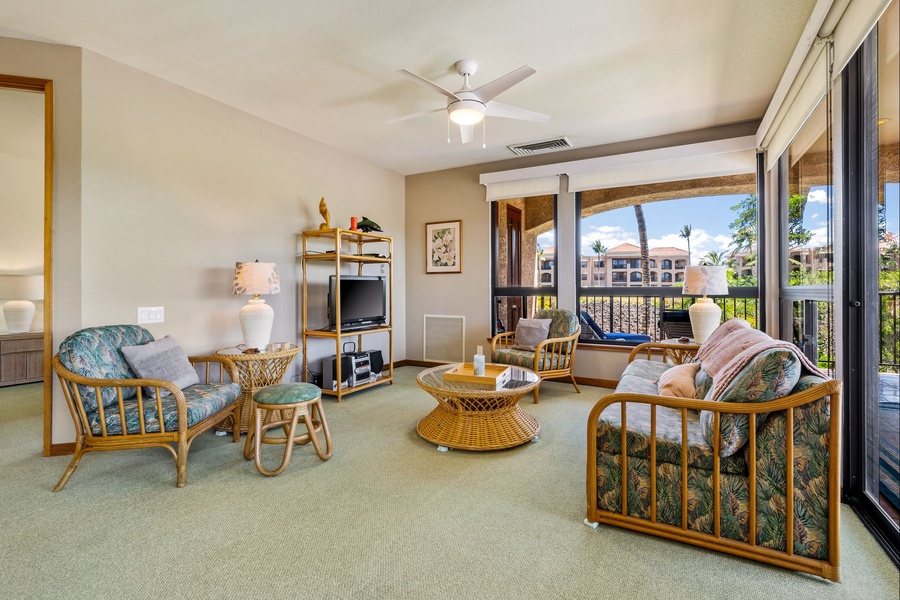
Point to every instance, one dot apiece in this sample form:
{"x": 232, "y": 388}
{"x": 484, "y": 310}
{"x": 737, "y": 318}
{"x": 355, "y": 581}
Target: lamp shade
{"x": 256, "y": 316}
{"x": 20, "y": 290}
{"x": 704, "y": 280}
{"x": 256, "y": 278}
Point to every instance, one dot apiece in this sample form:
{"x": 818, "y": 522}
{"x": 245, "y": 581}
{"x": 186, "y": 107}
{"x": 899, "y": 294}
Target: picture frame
{"x": 443, "y": 247}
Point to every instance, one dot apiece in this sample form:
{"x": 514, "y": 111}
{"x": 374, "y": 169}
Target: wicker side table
{"x": 256, "y": 371}
{"x": 470, "y": 417}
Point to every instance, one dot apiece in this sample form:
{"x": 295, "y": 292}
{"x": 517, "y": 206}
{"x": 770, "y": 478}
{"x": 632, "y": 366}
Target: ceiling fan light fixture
{"x": 466, "y": 112}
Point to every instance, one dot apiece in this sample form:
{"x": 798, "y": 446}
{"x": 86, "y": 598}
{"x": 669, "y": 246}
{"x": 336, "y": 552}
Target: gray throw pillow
{"x": 162, "y": 359}
{"x": 531, "y": 332}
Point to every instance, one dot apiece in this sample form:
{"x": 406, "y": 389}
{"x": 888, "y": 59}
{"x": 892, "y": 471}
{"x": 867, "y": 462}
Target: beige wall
{"x": 177, "y": 188}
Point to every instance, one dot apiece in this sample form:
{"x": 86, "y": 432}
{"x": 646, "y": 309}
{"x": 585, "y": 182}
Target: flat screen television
{"x": 363, "y": 301}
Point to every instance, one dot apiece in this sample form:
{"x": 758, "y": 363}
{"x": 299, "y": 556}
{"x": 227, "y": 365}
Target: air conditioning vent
{"x": 559, "y": 143}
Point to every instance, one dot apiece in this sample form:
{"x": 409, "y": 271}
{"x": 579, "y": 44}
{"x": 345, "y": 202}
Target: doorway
{"x": 26, "y": 167}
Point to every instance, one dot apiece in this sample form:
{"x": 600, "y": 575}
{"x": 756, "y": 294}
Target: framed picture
{"x": 443, "y": 247}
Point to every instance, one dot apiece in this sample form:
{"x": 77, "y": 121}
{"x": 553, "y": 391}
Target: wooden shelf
{"x": 337, "y": 254}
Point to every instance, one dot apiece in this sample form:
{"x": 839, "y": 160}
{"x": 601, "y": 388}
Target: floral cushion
{"x": 703, "y": 382}
{"x": 524, "y": 358}
{"x": 772, "y": 374}
{"x": 203, "y": 400}
{"x": 565, "y": 322}
{"x": 668, "y": 436}
{"x": 96, "y": 353}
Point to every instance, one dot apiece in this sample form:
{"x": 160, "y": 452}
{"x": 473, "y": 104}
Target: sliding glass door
{"x": 872, "y": 313}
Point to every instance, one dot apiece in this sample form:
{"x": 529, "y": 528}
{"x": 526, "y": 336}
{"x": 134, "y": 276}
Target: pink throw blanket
{"x": 733, "y": 345}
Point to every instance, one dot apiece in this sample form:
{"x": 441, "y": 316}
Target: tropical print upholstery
{"x": 202, "y": 400}
{"x": 563, "y": 324}
{"x": 525, "y": 358}
{"x": 703, "y": 383}
{"x": 772, "y": 374}
{"x": 810, "y": 451}
{"x": 96, "y": 353}
{"x": 811, "y": 434}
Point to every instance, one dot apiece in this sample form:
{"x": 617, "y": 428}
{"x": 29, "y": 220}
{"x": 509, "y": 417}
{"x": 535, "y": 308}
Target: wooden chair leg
{"x": 288, "y": 444}
{"x": 181, "y": 464}
{"x": 575, "y": 383}
{"x": 311, "y": 429}
{"x": 537, "y": 389}
{"x": 79, "y": 452}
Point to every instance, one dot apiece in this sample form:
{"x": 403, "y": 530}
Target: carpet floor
{"x": 387, "y": 517}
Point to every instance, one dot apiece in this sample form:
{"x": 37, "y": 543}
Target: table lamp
{"x": 256, "y": 316}
{"x": 704, "y": 280}
{"x": 19, "y": 312}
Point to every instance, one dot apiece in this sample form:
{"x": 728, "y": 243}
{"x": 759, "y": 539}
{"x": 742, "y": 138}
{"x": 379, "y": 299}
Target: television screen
{"x": 363, "y": 301}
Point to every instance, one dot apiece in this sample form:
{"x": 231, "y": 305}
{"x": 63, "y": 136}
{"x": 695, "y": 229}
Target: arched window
{"x": 636, "y": 276}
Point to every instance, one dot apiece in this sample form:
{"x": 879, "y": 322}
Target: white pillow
{"x": 531, "y": 332}
{"x": 162, "y": 359}
{"x": 679, "y": 381}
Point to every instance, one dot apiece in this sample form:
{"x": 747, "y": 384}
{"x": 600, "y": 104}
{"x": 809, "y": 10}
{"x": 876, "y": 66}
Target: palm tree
{"x": 715, "y": 257}
{"x": 599, "y": 248}
{"x": 686, "y": 234}
{"x": 645, "y": 264}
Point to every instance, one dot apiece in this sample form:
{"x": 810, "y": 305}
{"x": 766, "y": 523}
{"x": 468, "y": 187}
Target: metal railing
{"x": 889, "y": 332}
{"x": 639, "y": 310}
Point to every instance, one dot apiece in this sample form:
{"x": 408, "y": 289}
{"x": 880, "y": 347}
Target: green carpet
{"x": 387, "y": 517}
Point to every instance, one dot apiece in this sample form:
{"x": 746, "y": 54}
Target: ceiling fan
{"x": 467, "y": 107}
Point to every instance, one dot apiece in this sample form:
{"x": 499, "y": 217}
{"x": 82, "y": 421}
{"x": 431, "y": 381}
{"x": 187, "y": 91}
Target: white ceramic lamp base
{"x": 705, "y": 317}
{"x": 256, "y": 323}
{"x": 18, "y": 315}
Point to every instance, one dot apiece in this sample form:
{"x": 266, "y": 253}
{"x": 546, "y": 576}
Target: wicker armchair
{"x": 553, "y": 358}
{"x": 103, "y": 393}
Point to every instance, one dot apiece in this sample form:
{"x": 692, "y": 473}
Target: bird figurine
{"x": 323, "y": 210}
{"x": 366, "y": 225}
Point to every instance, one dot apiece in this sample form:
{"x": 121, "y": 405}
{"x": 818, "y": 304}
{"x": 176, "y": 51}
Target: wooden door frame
{"x": 45, "y": 86}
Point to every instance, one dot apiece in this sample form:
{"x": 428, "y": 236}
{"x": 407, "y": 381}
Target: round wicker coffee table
{"x": 473, "y": 417}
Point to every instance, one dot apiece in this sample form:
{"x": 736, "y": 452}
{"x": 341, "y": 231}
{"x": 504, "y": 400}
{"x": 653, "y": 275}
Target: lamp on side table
{"x": 704, "y": 280}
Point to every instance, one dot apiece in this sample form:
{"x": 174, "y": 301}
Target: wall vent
{"x": 445, "y": 338}
{"x": 559, "y": 143}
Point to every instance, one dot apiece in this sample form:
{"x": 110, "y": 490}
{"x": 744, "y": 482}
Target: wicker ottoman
{"x": 283, "y": 405}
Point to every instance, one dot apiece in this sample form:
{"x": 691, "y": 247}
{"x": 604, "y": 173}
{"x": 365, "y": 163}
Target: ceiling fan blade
{"x": 429, "y": 84}
{"x": 497, "y": 109}
{"x": 466, "y": 133}
{"x": 414, "y": 115}
{"x": 491, "y": 90}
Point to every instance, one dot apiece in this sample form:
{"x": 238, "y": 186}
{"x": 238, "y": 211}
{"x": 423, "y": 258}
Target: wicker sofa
{"x": 103, "y": 393}
{"x": 700, "y": 470}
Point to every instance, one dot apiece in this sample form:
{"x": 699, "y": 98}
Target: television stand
{"x": 341, "y": 247}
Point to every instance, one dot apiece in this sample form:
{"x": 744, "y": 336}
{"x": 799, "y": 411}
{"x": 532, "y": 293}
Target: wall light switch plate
{"x": 151, "y": 314}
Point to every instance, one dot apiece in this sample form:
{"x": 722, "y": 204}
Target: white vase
{"x": 18, "y": 315}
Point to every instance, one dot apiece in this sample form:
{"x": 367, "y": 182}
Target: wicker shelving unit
{"x": 341, "y": 247}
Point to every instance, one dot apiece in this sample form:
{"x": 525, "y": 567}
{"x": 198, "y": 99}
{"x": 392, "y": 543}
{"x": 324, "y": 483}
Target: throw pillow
{"x": 679, "y": 381}
{"x": 531, "y": 332}
{"x": 162, "y": 359}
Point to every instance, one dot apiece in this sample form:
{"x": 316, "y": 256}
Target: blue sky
{"x": 708, "y": 217}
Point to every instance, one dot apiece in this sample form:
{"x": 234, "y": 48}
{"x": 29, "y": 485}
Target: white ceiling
{"x": 607, "y": 70}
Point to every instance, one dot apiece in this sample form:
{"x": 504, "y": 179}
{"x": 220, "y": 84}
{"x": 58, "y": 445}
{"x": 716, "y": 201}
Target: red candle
{"x": 353, "y": 223}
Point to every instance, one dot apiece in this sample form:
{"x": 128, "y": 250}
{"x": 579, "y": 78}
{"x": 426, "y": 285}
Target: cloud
{"x": 819, "y": 195}
{"x": 609, "y": 235}
{"x": 819, "y": 237}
